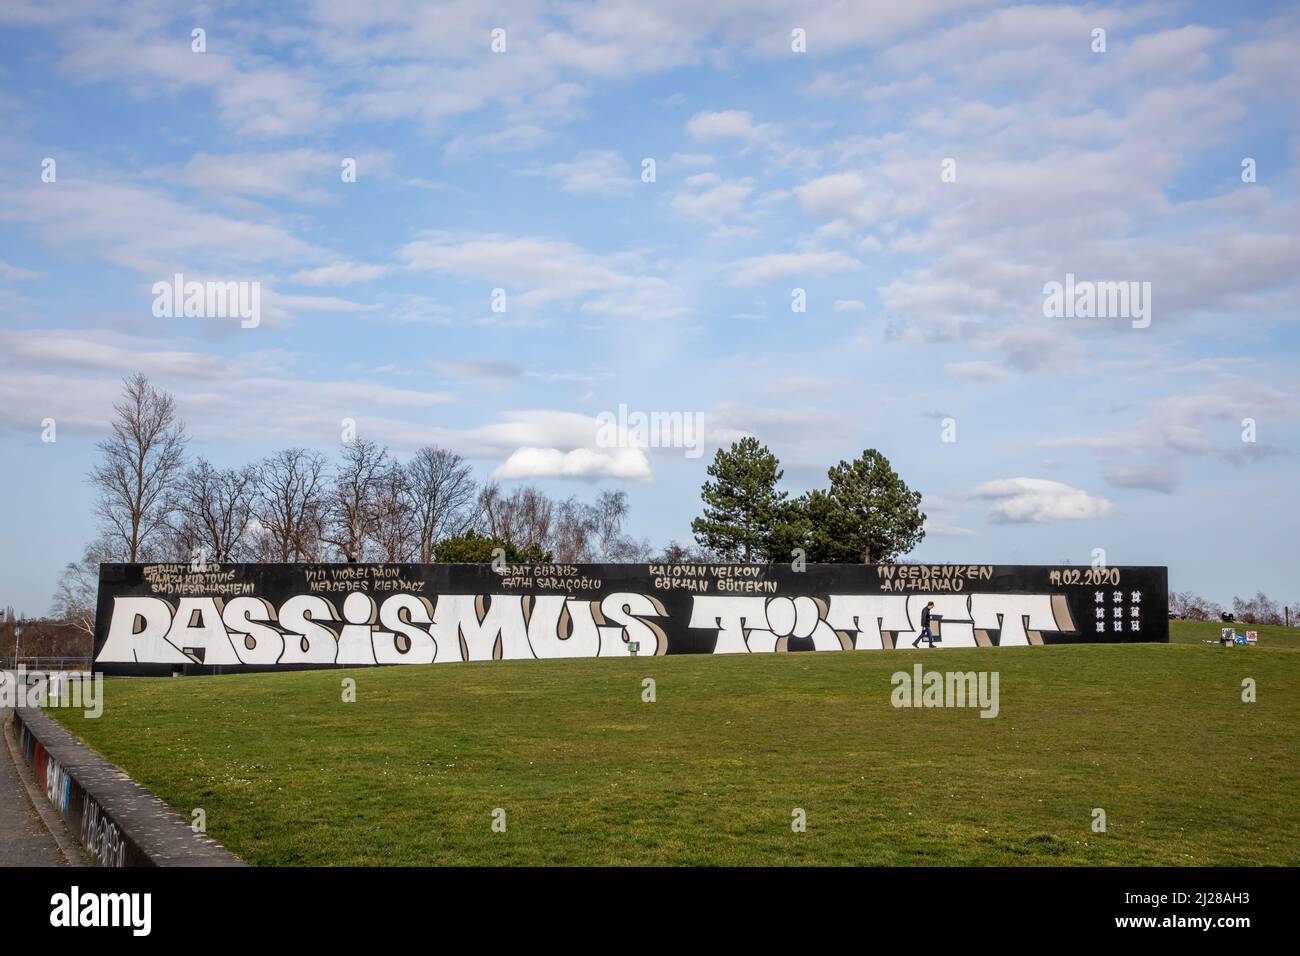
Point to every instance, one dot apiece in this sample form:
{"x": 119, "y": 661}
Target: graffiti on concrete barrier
{"x": 102, "y": 838}
{"x": 161, "y": 618}
{"x": 50, "y": 773}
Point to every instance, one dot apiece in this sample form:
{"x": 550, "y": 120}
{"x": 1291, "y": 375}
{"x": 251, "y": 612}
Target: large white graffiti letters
{"x": 162, "y": 618}
{"x": 403, "y": 629}
{"x": 879, "y": 621}
{"x": 764, "y": 625}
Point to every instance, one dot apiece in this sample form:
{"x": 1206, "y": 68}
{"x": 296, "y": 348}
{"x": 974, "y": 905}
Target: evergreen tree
{"x": 474, "y": 548}
{"x": 869, "y": 515}
{"x": 745, "y": 515}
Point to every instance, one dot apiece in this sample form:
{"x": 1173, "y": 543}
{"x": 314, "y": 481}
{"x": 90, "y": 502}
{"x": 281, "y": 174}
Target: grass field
{"x": 710, "y": 773}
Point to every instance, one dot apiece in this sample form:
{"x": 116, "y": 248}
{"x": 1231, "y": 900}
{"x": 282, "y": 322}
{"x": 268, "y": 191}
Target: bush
{"x": 474, "y": 548}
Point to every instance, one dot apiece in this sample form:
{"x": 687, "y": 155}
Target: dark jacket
{"x": 925, "y": 617}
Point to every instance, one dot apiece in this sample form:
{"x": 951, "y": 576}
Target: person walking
{"x": 926, "y": 634}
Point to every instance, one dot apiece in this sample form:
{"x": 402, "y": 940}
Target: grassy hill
{"x": 711, "y": 772}
{"x": 1195, "y": 632}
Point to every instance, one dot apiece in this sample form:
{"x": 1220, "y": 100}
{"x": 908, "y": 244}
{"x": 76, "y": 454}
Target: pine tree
{"x": 744, "y": 512}
{"x": 869, "y": 515}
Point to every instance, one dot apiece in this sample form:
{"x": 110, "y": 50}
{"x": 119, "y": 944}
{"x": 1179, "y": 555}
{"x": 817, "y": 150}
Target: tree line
{"x": 1259, "y": 609}
{"x": 156, "y": 503}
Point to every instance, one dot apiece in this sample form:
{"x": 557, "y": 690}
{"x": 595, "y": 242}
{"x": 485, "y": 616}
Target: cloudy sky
{"x": 920, "y": 171}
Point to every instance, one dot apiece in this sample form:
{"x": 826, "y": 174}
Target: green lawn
{"x": 1194, "y": 632}
{"x": 1156, "y": 735}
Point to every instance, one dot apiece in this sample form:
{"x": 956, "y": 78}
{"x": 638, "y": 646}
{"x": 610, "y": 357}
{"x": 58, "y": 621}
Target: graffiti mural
{"x": 165, "y": 618}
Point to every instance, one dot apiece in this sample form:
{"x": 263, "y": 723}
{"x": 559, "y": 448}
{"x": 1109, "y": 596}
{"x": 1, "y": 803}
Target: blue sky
{"x": 775, "y": 170}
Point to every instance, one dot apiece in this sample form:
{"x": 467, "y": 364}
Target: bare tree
{"x": 1256, "y": 610}
{"x": 215, "y": 509}
{"x": 143, "y": 457}
{"x": 290, "y": 505}
{"x": 493, "y": 511}
{"x": 351, "y": 501}
{"x": 441, "y": 487}
{"x": 611, "y": 510}
{"x": 629, "y": 550}
{"x": 1193, "y": 607}
{"x": 524, "y": 519}
{"x": 576, "y": 525}
{"x": 394, "y": 531}
{"x": 677, "y": 553}
{"x": 77, "y": 596}
{"x": 571, "y": 530}
{"x": 594, "y": 532}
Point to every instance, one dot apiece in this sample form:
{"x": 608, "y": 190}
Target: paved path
{"x": 24, "y": 840}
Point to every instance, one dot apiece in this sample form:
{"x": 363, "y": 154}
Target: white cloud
{"x": 1170, "y": 53}
{"x": 715, "y": 200}
{"x": 625, "y": 463}
{"x": 724, "y": 126}
{"x": 281, "y": 306}
{"x": 16, "y": 273}
{"x": 1153, "y": 477}
{"x": 74, "y": 376}
{"x": 150, "y": 57}
{"x": 150, "y": 232}
{"x": 939, "y": 521}
{"x": 1037, "y": 500}
{"x": 1074, "y": 176}
{"x": 809, "y": 430}
{"x": 538, "y": 270}
{"x": 784, "y": 265}
{"x": 495, "y": 369}
{"x": 598, "y": 172}
{"x": 419, "y": 309}
{"x": 517, "y": 138}
{"x": 1148, "y": 450}
{"x": 833, "y": 197}
{"x": 292, "y": 174}
{"x": 339, "y": 273}
{"x": 975, "y": 371}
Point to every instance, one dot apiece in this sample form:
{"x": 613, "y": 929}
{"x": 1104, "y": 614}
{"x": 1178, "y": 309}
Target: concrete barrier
{"x": 119, "y": 822}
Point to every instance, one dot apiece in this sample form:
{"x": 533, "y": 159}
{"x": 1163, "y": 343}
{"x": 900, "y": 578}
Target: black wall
{"x": 979, "y": 605}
